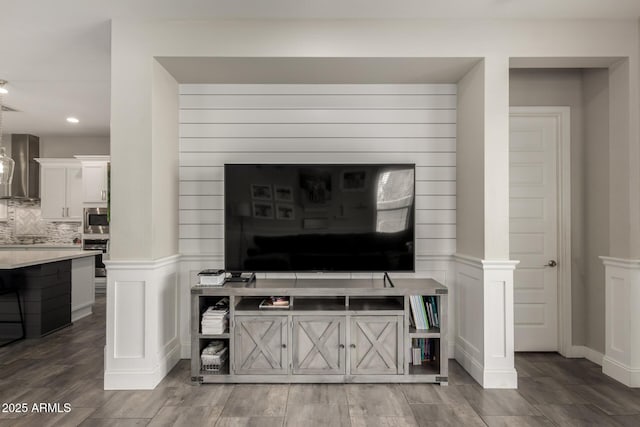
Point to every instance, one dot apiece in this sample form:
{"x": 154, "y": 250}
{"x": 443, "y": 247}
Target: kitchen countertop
{"x": 20, "y": 258}
{"x": 41, "y": 246}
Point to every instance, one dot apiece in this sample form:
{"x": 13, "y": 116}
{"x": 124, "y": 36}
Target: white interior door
{"x": 533, "y": 235}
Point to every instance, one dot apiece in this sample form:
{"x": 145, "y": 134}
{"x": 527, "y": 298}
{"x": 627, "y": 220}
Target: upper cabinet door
{"x": 74, "y": 193}
{"x": 53, "y": 190}
{"x": 94, "y": 182}
{"x": 61, "y": 189}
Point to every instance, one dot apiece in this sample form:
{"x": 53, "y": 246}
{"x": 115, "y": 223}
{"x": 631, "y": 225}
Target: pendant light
{"x": 6, "y": 163}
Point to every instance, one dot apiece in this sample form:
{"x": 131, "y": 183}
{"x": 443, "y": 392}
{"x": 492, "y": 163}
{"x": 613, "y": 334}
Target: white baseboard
{"x": 81, "y": 311}
{"x": 185, "y": 351}
{"x": 621, "y": 372}
{"x": 580, "y": 351}
{"x": 142, "y": 380}
{"x": 500, "y": 378}
{"x": 469, "y": 363}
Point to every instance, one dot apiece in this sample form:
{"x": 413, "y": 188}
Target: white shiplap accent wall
{"x": 368, "y": 123}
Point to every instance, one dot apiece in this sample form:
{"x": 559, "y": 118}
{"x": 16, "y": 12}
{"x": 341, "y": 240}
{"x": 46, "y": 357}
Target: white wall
{"x": 558, "y": 87}
{"x": 470, "y": 171}
{"x": 135, "y": 43}
{"x": 586, "y": 93}
{"x": 164, "y": 226}
{"x": 316, "y": 124}
{"x": 68, "y": 146}
{"x": 596, "y": 200}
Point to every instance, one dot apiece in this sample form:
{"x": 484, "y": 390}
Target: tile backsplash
{"x": 24, "y": 225}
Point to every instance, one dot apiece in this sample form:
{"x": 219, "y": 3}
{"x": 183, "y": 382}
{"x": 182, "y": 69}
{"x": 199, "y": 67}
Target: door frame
{"x": 562, "y": 115}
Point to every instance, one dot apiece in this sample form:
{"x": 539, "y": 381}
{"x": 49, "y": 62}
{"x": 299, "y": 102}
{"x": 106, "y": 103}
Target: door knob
{"x": 551, "y": 263}
{"x": 353, "y": 346}
{"x": 341, "y": 346}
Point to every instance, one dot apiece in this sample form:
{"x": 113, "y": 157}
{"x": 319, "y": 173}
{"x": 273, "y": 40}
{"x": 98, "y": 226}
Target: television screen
{"x": 319, "y": 217}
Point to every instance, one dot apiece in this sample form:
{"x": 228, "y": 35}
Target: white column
{"x": 622, "y": 320}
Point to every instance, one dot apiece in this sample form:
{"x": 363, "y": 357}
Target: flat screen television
{"x": 319, "y": 217}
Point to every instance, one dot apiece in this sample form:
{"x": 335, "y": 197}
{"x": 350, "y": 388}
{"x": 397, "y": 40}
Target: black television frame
{"x": 236, "y": 273}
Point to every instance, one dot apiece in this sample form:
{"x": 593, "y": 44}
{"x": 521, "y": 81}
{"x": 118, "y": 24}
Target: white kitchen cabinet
{"x": 61, "y": 189}
{"x": 95, "y": 171}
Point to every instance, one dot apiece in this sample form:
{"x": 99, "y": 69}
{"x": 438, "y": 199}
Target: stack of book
{"x": 216, "y": 318}
{"x": 211, "y": 277}
{"x": 424, "y": 312}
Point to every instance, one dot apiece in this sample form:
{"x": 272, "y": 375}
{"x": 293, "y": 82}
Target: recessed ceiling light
{"x": 73, "y": 120}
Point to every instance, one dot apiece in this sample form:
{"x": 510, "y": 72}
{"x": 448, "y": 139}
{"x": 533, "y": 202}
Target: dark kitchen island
{"x": 55, "y": 287}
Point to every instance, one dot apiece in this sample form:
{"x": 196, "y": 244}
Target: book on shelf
{"x": 416, "y": 356}
{"x": 423, "y": 350}
{"x": 429, "y": 312}
{"x": 425, "y": 315}
{"x": 416, "y": 306}
{"x": 434, "y": 307}
{"x": 424, "y": 312}
{"x": 275, "y": 303}
{"x": 433, "y": 311}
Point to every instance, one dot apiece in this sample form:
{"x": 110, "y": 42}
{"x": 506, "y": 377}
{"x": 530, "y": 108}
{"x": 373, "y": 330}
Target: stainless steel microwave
{"x": 96, "y": 221}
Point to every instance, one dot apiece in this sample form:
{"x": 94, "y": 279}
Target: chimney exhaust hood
{"x": 26, "y": 175}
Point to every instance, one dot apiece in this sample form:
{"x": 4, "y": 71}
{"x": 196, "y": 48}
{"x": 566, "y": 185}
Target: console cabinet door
{"x": 318, "y": 345}
{"x": 376, "y": 343}
{"x": 260, "y": 345}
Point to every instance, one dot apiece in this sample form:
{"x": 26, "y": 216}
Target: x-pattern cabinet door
{"x": 260, "y": 345}
{"x": 375, "y": 345}
{"x": 318, "y": 345}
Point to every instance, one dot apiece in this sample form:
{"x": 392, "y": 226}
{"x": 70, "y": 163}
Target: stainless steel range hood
{"x": 26, "y": 175}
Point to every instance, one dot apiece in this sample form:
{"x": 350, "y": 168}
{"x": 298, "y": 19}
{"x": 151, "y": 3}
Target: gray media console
{"x": 335, "y": 330}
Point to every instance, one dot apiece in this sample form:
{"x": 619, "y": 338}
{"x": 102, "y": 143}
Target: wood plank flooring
{"x": 67, "y": 367}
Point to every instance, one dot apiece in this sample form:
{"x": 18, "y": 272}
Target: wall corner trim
{"x": 499, "y": 264}
{"x": 141, "y": 264}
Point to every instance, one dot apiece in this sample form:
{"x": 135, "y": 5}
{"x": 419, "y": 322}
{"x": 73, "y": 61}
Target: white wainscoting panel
{"x": 316, "y": 124}
{"x": 143, "y": 341}
{"x": 129, "y": 339}
{"x": 468, "y": 310}
{"x": 484, "y": 339}
{"x": 622, "y": 320}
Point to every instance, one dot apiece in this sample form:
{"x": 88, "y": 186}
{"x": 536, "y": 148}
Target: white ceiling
{"x": 55, "y": 54}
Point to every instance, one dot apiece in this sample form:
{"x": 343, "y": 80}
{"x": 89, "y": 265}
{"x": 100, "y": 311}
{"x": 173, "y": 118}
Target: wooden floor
{"x": 66, "y": 367}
